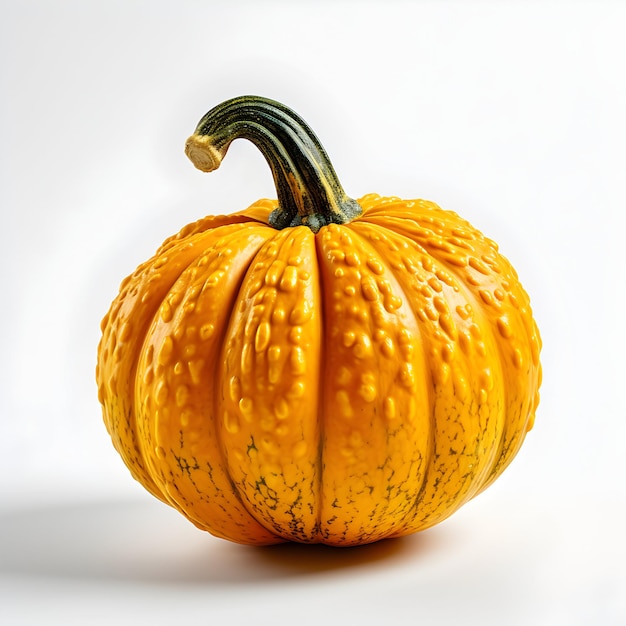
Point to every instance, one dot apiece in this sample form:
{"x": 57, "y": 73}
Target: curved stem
{"x": 309, "y": 192}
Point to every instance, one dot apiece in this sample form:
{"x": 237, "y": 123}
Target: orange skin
{"x": 340, "y": 387}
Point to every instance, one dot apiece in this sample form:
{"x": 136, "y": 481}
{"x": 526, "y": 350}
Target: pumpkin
{"x": 317, "y": 369}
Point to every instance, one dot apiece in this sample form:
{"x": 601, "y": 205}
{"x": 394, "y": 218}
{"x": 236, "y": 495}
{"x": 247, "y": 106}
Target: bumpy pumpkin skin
{"x": 343, "y": 386}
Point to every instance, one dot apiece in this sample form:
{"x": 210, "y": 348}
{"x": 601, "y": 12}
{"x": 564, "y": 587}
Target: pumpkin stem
{"x": 309, "y": 192}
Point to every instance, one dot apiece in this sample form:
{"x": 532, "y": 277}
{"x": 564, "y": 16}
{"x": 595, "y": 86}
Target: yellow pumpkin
{"x": 317, "y": 369}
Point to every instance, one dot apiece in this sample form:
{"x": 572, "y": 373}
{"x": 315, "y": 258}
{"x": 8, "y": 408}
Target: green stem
{"x": 309, "y": 192}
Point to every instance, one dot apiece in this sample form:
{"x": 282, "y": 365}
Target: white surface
{"x": 509, "y": 113}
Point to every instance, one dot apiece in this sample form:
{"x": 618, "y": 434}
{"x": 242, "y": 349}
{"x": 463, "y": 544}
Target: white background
{"x": 511, "y": 113}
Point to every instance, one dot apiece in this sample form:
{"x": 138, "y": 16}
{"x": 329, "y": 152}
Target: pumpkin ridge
{"x": 506, "y": 453}
{"x": 230, "y": 231}
{"x": 219, "y": 351}
{"x": 396, "y": 223}
{"x": 487, "y": 326}
{"x": 321, "y": 392}
{"x": 169, "y": 246}
{"x": 270, "y": 363}
{"x": 364, "y": 222}
{"x": 219, "y": 362}
{"x": 129, "y": 436}
{"x": 369, "y": 383}
{"x": 437, "y": 425}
